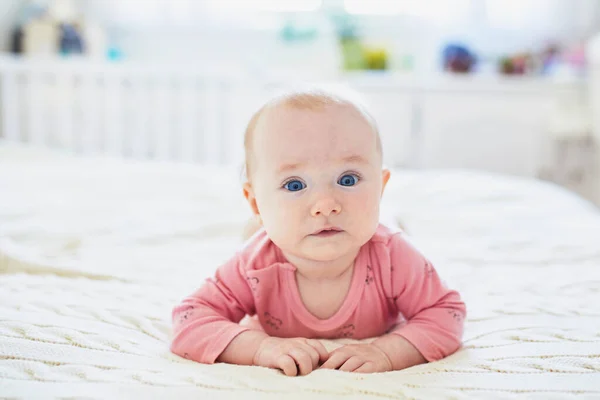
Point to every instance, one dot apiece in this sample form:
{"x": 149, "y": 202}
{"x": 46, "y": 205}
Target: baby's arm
{"x": 435, "y": 314}
{"x": 206, "y": 322}
{"x": 206, "y": 329}
{"x": 242, "y": 349}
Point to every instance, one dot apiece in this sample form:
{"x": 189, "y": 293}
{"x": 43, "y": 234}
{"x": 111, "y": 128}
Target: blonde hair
{"x": 313, "y": 99}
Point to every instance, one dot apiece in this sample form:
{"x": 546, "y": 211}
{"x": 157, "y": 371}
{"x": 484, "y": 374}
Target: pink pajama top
{"x": 394, "y": 289}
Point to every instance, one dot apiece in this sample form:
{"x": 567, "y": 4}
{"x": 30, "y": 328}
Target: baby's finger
{"x": 352, "y": 363}
{"x": 312, "y": 352}
{"x": 335, "y": 360}
{"x": 366, "y": 368}
{"x": 303, "y": 360}
{"x": 287, "y": 365}
{"x": 318, "y": 346}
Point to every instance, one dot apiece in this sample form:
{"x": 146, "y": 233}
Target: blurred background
{"x": 505, "y": 86}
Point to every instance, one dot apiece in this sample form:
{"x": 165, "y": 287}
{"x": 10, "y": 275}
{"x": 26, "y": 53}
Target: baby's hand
{"x": 359, "y": 358}
{"x": 292, "y": 356}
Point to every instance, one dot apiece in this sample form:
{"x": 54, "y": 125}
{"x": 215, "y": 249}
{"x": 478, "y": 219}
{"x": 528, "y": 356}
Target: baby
{"x": 321, "y": 266}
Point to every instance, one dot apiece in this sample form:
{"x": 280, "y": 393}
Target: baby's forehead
{"x": 327, "y": 117}
{"x": 280, "y": 118}
{"x": 322, "y": 134}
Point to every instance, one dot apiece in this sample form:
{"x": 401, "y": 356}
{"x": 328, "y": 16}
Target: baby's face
{"x": 316, "y": 180}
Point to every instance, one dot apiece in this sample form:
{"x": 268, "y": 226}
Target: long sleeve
{"x": 435, "y": 314}
{"x": 207, "y": 321}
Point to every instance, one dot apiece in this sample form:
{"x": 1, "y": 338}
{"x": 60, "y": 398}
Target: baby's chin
{"x": 327, "y": 253}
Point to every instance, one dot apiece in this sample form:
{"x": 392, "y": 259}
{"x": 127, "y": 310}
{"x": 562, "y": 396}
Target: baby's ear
{"x": 249, "y": 195}
{"x": 385, "y": 177}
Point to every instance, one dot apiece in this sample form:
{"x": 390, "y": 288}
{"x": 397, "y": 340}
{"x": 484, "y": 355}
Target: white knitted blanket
{"x": 94, "y": 253}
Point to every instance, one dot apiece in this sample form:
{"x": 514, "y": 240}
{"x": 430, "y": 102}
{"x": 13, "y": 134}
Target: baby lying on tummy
{"x": 321, "y": 266}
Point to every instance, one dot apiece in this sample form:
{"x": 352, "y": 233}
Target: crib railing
{"x": 131, "y": 111}
{"x": 197, "y": 115}
{"x": 166, "y": 113}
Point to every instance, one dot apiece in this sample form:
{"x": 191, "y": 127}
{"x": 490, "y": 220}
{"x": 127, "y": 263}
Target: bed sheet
{"x": 94, "y": 252}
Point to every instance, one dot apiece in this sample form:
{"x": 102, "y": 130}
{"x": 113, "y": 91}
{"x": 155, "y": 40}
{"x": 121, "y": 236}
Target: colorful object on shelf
{"x": 352, "y": 54}
{"x": 519, "y": 64}
{"x": 550, "y": 60}
{"x": 71, "y": 41}
{"x": 458, "y": 58}
{"x": 350, "y": 45}
{"x": 57, "y": 28}
{"x": 358, "y": 56}
{"x": 293, "y": 31}
{"x": 375, "y": 58}
{"x": 114, "y": 54}
{"x": 27, "y": 13}
{"x": 574, "y": 59}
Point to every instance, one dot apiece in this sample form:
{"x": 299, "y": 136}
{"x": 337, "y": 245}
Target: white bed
{"x": 95, "y": 252}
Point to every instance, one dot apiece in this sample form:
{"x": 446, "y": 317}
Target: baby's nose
{"x": 326, "y": 206}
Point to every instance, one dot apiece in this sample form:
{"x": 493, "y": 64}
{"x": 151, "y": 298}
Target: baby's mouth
{"x": 326, "y": 232}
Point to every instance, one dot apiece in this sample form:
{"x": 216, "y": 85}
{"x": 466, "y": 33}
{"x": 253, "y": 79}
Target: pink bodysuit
{"x": 394, "y": 290}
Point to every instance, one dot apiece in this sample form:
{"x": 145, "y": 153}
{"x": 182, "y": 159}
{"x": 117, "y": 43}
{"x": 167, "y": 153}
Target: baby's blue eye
{"x": 294, "y": 186}
{"x": 348, "y": 180}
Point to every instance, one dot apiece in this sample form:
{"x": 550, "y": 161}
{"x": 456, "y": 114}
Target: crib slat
{"x": 156, "y": 131}
{"x": 162, "y": 130}
{"x": 88, "y": 131}
{"x": 188, "y": 127}
{"x": 139, "y": 129}
{"x": 36, "y": 92}
{"x": 9, "y": 103}
{"x": 64, "y": 110}
{"x": 227, "y": 114}
{"x": 112, "y": 107}
{"x": 211, "y": 122}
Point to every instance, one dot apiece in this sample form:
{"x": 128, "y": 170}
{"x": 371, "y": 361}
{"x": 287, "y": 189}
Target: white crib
{"x": 128, "y": 110}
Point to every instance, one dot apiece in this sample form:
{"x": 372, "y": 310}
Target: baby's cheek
{"x": 364, "y": 207}
{"x": 289, "y": 212}
{"x": 270, "y": 211}
{"x": 282, "y": 221}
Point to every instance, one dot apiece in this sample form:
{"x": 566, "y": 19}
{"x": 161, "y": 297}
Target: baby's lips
{"x": 328, "y": 228}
